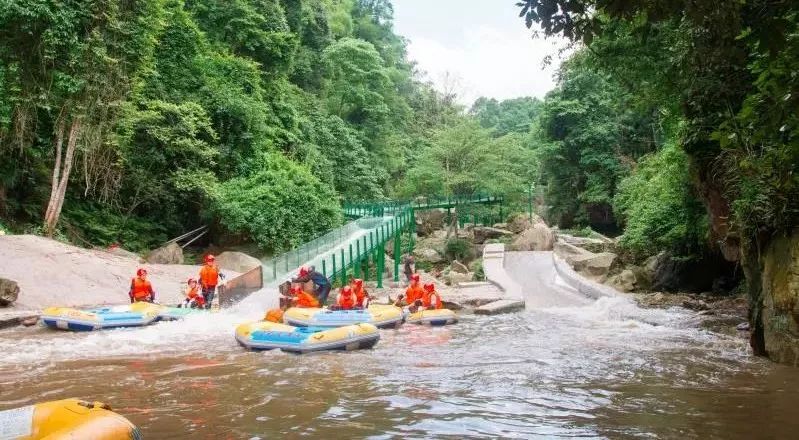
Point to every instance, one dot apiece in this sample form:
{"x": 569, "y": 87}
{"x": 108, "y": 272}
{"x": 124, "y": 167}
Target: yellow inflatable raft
{"x": 68, "y": 419}
{"x": 379, "y": 315}
{"x": 433, "y": 317}
{"x": 265, "y": 335}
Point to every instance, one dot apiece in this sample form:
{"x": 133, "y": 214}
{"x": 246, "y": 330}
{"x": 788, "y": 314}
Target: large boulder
{"x": 570, "y": 252}
{"x": 9, "y": 291}
{"x": 237, "y": 261}
{"x": 483, "y": 233}
{"x": 537, "y": 238}
{"x": 428, "y": 221}
{"x": 586, "y": 262}
{"x": 454, "y": 278}
{"x": 595, "y": 265}
{"x": 459, "y": 267}
{"x": 593, "y": 244}
{"x": 521, "y": 222}
{"x": 623, "y": 282}
{"x": 169, "y": 254}
{"x": 427, "y": 254}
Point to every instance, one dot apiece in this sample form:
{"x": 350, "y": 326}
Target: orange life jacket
{"x": 427, "y": 300}
{"x": 192, "y": 292}
{"x": 345, "y": 301}
{"x": 360, "y": 295}
{"x": 274, "y": 315}
{"x": 141, "y": 289}
{"x": 413, "y": 293}
{"x": 305, "y": 299}
{"x": 209, "y": 275}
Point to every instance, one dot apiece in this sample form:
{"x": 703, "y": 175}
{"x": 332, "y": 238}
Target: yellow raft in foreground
{"x": 69, "y": 419}
{"x": 379, "y": 315}
{"x": 265, "y": 335}
{"x": 433, "y": 317}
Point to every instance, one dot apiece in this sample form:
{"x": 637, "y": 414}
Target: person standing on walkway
{"x": 209, "y": 279}
{"x": 410, "y": 268}
{"x": 321, "y": 283}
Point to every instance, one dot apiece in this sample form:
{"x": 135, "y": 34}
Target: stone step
{"x": 13, "y": 319}
{"x": 473, "y": 284}
{"x": 501, "y": 306}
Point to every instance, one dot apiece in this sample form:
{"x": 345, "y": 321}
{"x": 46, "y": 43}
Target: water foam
{"x": 211, "y": 332}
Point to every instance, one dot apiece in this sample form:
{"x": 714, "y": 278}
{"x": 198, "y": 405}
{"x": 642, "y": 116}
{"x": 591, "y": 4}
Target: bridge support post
{"x": 343, "y": 269}
{"x": 397, "y": 253}
{"x": 357, "y": 269}
{"x": 381, "y": 263}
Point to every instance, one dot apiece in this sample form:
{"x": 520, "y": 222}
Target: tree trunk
{"x": 61, "y": 172}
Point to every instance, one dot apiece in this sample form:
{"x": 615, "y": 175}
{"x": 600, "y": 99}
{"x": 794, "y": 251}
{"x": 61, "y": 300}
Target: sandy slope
{"x": 53, "y": 273}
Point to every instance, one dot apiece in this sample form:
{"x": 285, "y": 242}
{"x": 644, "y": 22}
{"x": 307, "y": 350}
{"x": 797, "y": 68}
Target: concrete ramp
{"x": 539, "y": 282}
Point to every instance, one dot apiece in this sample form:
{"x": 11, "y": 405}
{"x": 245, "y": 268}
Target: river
{"x": 606, "y": 369}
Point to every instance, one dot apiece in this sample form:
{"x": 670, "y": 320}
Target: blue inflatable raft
{"x": 133, "y": 315}
{"x": 266, "y": 335}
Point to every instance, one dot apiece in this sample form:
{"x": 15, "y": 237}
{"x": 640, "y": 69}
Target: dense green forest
{"x": 133, "y": 122}
{"x": 679, "y": 120}
{"x": 672, "y": 124}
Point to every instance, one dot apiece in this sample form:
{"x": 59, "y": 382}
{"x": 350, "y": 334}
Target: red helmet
{"x": 304, "y": 271}
{"x": 358, "y": 282}
{"x": 141, "y": 271}
{"x": 191, "y": 281}
{"x": 346, "y": 289}
{"x": 430, "y": 287}
{"x": 209, "y": 258}
{"x": 296, "y": 289}
{"x": 415, "y": 277}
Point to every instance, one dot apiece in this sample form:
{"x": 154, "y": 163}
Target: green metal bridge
{"x": 351, "y": 250}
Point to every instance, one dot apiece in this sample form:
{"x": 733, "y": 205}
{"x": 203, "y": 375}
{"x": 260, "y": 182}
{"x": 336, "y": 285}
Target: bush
{"x": 278, "y": 206}
{"x": 459, "y": 249}
{"x": 659, "y": 207}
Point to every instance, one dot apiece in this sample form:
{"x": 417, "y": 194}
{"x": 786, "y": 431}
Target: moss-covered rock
{"x": 780, "y": 299}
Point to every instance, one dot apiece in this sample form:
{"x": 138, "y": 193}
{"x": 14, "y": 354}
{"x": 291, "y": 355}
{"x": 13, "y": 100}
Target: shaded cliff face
{"x": 773, "y": 285}
{"x": 780, "y": 299}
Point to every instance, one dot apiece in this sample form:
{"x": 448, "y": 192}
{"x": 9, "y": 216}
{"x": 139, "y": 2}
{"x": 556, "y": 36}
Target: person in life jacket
{"x": 431, "y": 300}
{"x": 140, "y": 288}
{"x": 414, "y": 292}
{"x": 346, "y": 298}
{"x": 274, "y": 315}
{"x": 303, "y": 298}
{"x": 209, "y": 279}
{"x": 194, "y": 298}
{"x": 361, "y": 295}
{"x": 321, "y": 283}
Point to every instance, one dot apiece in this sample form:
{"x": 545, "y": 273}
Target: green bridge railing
{"x": 347, "y": 250}
{"x": 350, "y": 250}
{"x": 387, "y": 207}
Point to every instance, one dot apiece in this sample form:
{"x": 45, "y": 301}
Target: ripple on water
{"x": 600, "y": 370}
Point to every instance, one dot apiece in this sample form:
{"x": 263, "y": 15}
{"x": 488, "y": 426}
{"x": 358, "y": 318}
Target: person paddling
{"x": 209, "y": 279}
{"x": 431, "y": 300}
{"x": 361, "y": 295}
{"x": 140, "y": 288}
{"x": 346, "y": 299}
{"x": 302, "y": 298}
{"x": 415, "y": 291}
{"x": 321, "y": 283}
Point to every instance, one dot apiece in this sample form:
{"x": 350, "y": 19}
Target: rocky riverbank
{"x": 42, "y": 272}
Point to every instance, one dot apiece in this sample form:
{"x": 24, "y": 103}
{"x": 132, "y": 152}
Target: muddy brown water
{"x": 604, "y": 370}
